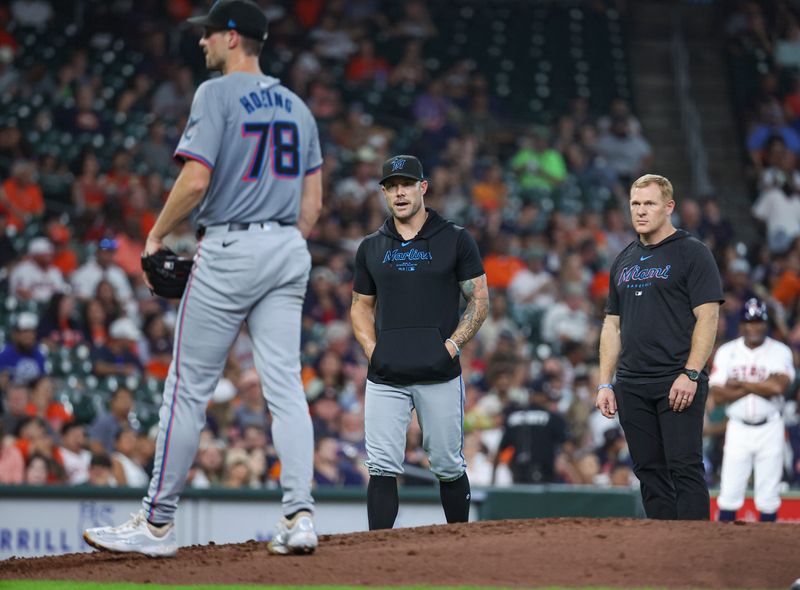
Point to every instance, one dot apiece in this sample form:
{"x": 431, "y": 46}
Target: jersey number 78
{"x": 281, "y": 139}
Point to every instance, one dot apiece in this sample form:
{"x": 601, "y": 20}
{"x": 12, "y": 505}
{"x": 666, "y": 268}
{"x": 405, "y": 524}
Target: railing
{"x": 690, "y": 119}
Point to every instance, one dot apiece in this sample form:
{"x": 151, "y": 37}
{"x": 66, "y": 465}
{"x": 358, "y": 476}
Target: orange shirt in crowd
{"x": 501, "y": 269}
{"x": 56, "y": 414}
{"x": 787, "y": 288}
{"x": 129, "y": 254}
{"x": 26, "y": 199}
{"x": 489, "y": 196}
{"x": 65, "y": 260}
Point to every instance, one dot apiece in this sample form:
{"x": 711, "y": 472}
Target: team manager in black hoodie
{"x": 660, "y": 326}
{"x": 409, "y": 276}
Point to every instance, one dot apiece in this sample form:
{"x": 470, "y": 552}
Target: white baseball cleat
{"x": 294, "y": 537}
{"x": 135, "y": 536}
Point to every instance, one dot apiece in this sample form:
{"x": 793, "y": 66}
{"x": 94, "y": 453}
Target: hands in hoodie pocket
{"x": 412, "y": 355}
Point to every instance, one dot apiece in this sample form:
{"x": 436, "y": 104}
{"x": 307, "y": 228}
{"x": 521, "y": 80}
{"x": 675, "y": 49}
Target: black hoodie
{"x": 654, "y": 290}
{"x": 416, "y": 283}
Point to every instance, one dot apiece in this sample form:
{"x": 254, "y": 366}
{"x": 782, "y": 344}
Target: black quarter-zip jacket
{"x": 416, "y": 285}
{"x": 654, "y": 290}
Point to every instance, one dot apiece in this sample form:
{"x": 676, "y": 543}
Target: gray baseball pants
{"x": 440, "y": 411}
{"x": 259, "y": 276}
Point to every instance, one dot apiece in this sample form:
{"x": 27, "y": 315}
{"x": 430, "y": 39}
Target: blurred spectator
{"x": 210, "y": 464}
{"x": 100, "y": 471}
{"x": 331, "y": 41}
{"x": 492, "y": 192}
{"x": 8, "y": 253}
{"x": 35, "y": 14}
{"x": 627, "y": 154}
{"x": 779, "y": 208}
{"x": 83, "y": 116}
{"x": 326, "y": 414}
{"x": 238, "y": 473}
{"x": 173, "y": 97}
{"x": 363, "y": 184}
{"x": 12, "y": 464}
{"x": 101, "y": 267}
{"x": 157, "y": 355}
{"x": 416, "y": 22}
{"x": 330, "y": 469}
{"x": 95, "y": 323}
{"x": 117, "y": 357}
{"x": 715, "y": 229}
{"x": 21, "y": 361}
{"x": 103, "y": 431}
{"x": 89, "y": 190}
{"x": 37, "y": 470}
{"x": 126, "y": 471}
{"x": 497, "y": 322}
{"x": 36, "y": 279}
{"x": 64, "y": 257}
{"x": 538, "y": 166}
{"x": 770, "y": 122}
{"x": 501, "y": 264}
{"x": 619, "y": 109}
{"x": 61, "y": 325}
{"x": 366, "y": 66}
{"x": 21, "y": 197}
{"x": 155, "y": 152}
{"x": 130, "y": 246}
{"x": 252, "y": 408}
{"x": 107, "y": 298}
{"x": 43, "y": 405}
{"x": 533, "y": 288}
{"x": 567, "y": 319}
{"x": 410, "y": 71}
{"x": 16, "y": 400}
{"x": 531, "y": 439}
{"x": 74, "y": 456}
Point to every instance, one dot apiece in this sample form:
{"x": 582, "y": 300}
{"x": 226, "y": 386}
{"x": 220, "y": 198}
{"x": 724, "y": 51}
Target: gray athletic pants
{"x": 259, "y": 276}
{"x": 440, "y": 411}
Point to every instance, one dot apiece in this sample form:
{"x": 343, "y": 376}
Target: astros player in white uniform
{"x": 752, "y": 373}
{"x": 252, "y": 163}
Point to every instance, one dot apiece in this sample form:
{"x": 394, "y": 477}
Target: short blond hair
{"x": 663, "y": 183}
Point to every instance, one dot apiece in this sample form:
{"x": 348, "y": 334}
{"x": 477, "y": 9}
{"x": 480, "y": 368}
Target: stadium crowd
{"x": 87, "y": 347}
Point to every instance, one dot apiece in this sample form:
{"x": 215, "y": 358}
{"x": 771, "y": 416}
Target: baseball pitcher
{"x": 252, "y": 161}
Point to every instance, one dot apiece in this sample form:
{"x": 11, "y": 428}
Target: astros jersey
{"x": 271, "y": 143}
{"x": 734, "y": 360}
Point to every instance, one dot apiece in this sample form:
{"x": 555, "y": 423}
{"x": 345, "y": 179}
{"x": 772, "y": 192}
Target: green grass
{"x": 67, "y": 585}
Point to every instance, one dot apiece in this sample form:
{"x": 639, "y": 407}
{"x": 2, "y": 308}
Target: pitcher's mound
{"x": 570, "y": 552}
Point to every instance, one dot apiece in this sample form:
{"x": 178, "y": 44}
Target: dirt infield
{"x": 513, "y": 553}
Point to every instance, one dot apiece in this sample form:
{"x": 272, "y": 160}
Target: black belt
{"x": 239, "y": 226}
{"x": 755, "y": 422}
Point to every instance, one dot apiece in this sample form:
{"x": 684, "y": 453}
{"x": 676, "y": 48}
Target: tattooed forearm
{"x": 476, "y": 293}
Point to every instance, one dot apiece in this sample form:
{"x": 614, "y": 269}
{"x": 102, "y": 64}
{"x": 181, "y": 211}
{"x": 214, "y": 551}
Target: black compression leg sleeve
{"x": 382, "y": 502}
{"x": 455, "y": 497}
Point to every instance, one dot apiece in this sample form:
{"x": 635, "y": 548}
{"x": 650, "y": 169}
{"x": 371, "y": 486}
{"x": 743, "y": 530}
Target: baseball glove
{"x": 167, "y": 272}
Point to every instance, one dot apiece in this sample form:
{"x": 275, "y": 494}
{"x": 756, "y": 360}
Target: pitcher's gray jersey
{"x": 271, "y": 143}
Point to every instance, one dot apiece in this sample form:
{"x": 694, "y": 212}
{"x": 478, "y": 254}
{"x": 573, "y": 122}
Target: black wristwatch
{"x": 692, "y": 374}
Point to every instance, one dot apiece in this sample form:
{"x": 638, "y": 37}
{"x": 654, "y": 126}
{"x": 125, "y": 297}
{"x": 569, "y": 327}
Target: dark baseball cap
{"x": 402, "y": 165}
{"x": 754, "y": 310}
{"x": 243, "y": 16}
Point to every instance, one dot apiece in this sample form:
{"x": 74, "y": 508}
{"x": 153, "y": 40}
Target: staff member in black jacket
{"x": 660, "y": 326}
{"x": 409, "y": 276}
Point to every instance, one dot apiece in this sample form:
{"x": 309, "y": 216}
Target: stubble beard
{"x": 414, "y": 210}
